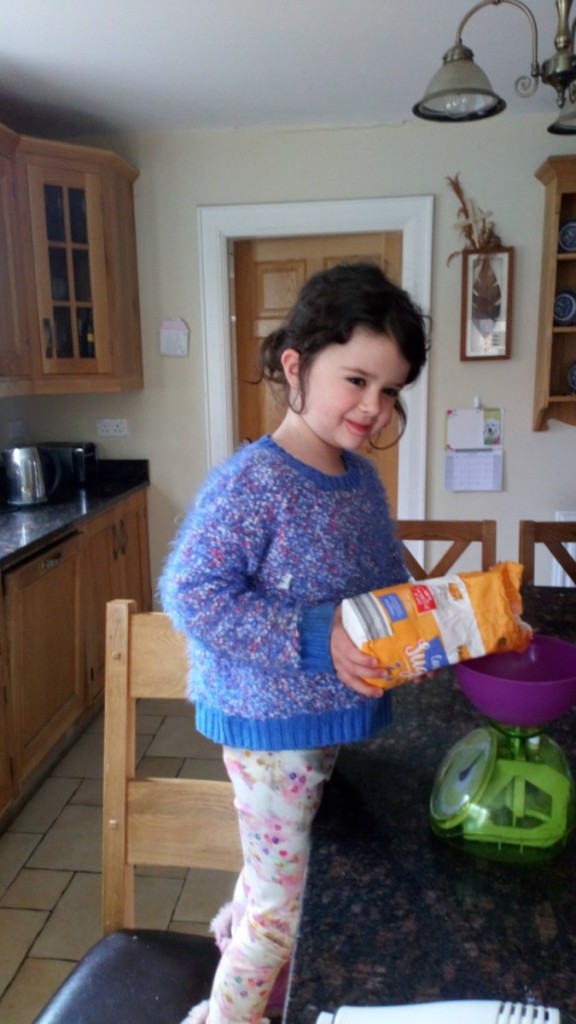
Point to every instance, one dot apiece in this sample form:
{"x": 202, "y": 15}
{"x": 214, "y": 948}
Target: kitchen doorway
{"x": 268, "y": 274}
{"x": 221, "y": 226}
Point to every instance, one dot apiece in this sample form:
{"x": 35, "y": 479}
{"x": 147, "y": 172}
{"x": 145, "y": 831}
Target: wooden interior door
{"x": 268, "y": 274}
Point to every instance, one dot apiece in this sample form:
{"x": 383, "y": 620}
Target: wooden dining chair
{"x": 554, "y": 536}
{"x": 135, "y": 975}
{"x": 459, "y": 534}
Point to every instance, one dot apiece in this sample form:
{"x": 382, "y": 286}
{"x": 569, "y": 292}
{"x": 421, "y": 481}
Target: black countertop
{"x": 392, "y": 914}
{"x": 23, "y": 531}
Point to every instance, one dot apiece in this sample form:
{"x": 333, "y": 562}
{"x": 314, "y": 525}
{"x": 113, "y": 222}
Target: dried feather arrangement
{"x": 481, "y": 237}
{"x": 479, "y": 232}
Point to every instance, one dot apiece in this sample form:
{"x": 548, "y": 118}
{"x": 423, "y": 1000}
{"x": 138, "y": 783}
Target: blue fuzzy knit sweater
{"x": 265, "y": 554}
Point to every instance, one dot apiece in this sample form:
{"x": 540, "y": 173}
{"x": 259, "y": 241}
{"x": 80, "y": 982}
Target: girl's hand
{"x": 351, "y": 665}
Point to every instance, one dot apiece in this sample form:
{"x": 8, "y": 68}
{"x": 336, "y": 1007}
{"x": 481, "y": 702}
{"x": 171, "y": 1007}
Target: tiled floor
{"x": 50, "y": 862}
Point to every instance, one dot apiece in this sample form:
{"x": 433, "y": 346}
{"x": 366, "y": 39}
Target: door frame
{"x": 219, "y": 226}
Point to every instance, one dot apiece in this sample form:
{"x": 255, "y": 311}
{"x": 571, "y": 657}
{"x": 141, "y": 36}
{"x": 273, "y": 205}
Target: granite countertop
{"x": 392, "y": 914}
{"x": 23, "y": 531}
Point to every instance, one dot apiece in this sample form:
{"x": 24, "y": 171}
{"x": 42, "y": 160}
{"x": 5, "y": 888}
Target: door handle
{"x": 51, "y": 563}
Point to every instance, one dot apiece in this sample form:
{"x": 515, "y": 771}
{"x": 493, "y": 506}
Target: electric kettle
{"x": 32, "y": 475}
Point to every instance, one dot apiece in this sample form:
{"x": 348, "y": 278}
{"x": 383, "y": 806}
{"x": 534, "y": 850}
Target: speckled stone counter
{"x": 25, "y": 530}
{"x": 393, "y": 914}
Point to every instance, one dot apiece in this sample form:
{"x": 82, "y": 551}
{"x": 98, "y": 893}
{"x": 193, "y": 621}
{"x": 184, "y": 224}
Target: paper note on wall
{"x": 474, "y": 428}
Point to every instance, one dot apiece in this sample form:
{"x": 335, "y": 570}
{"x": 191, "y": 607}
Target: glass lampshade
{"x": 459, "y": 91}
{"x": 565, "y": 124}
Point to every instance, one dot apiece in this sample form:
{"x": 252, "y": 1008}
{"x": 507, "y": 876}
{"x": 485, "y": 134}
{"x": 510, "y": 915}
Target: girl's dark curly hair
{"x": 331, "y": 304}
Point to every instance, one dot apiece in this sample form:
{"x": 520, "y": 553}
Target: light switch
{"x": 174, "y": 338}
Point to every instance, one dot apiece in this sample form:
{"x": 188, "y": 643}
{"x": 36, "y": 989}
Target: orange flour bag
{"x": 418, "y": 627}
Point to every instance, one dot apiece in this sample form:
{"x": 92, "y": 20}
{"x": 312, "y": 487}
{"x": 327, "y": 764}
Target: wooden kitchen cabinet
{"x": 79, "y": 244}
{"x": 6, "y": 758}
{"x": 15, "y": 371}
{"x": 43, "y": 599}
{"x": 6, "y": 762}
{"x": 52, "y": 637}
{"x": 118, "y": 565}
{"x": 556, "y": 350}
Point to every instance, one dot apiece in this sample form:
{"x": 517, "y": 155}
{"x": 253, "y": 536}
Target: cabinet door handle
{"x": 51, "y": 563}
{"x": 47, "y": 328}
{"x": 116, "y": 543}
{"x": 124, "y": 536}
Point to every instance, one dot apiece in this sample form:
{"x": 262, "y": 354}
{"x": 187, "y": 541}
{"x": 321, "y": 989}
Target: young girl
{"x": 279, "y": 535}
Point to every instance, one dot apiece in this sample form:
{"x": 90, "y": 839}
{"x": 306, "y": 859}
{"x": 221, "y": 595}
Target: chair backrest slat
{"x": 459, "y": 534}
{"x": 158, "y": 659}
{"x": 167, "y": 821}
{"x": 553, "y": 535}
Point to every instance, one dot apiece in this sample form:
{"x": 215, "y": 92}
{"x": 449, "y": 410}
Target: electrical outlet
{"x": 112, "y": 428}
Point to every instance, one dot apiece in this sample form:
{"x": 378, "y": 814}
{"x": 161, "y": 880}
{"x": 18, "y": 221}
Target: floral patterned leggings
{"x": 277, "y": 795}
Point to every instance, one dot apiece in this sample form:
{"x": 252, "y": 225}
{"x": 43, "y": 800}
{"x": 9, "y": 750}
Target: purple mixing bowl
{"x": 528, "y": 689}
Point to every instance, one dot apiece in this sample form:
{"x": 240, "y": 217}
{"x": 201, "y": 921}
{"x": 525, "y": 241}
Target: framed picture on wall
{"x": 486, "y": 317}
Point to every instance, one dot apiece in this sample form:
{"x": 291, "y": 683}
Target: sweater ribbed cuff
{"x": 315, "y": 630}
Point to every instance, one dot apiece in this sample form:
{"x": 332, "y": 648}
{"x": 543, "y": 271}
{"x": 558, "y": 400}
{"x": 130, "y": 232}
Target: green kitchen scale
{"x": 505, "y": 791}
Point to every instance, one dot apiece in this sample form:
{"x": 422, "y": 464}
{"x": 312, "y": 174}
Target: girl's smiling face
{"x": 350, "y": 390}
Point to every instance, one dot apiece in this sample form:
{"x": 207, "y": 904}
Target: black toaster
{"x": 79, "y": 461}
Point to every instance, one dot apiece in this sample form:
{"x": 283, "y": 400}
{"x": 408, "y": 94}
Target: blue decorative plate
{"x": 571, "y": 378}
{"x": 567, "y": 236}
{"x": 565, "y": 309}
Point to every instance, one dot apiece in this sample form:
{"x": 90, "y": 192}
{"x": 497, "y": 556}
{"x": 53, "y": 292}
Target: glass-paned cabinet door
{"x": 69, "y": 257}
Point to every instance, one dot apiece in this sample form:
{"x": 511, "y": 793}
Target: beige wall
{"x": 180, "y": 172}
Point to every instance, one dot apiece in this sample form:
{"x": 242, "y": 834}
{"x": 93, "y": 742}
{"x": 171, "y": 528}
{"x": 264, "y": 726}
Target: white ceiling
{"x": 83, "y": 66}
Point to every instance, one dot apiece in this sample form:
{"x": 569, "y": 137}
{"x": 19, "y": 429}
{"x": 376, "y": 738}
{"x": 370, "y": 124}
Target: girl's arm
{"x": 207, "y": 586}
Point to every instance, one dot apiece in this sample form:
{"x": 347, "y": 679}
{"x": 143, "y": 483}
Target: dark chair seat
{"x": 136, "y": 976}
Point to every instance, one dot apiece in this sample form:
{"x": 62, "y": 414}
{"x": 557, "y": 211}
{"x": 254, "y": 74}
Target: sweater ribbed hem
{"x": 300, "y": 732}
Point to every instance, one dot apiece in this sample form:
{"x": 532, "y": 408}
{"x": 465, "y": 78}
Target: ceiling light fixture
{"x": 460, "y": 91}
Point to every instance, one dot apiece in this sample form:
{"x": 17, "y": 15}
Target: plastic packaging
{"x": 417, "y": 628}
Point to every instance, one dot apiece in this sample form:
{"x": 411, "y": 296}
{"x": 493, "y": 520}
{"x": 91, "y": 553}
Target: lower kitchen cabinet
{"x": 46, "y": 651}
{"x": 52, "y": 639}
{"x": 118, "y": 565}
{"x": 6, "y": 762}
{"x": 6, "y": 759}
